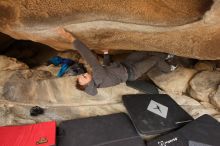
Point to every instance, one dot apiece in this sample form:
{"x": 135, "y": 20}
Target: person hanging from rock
{"x": 133, "y": 67}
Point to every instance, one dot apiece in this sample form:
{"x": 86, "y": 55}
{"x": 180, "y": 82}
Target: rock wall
{"x": 153, "y": 12}
{"x": 182, "y": 27}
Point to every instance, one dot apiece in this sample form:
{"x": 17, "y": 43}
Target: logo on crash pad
{"x": 158, "y": 109}
{"x": 42, "y": 140}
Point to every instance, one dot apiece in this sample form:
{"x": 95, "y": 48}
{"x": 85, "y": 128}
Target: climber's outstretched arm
{"x": 84, "y": 51}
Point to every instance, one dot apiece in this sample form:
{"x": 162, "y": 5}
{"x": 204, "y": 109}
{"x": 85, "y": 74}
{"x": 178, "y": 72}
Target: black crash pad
{"x": 155, "y": 113}
{"x": 109, "y": 130}
{"x": 203, "y": 131}
{"x": 143, "y": 86}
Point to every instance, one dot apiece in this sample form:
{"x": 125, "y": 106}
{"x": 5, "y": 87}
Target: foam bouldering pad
{"x": 143, "y": 86}
{"x": 203, "y": 131}
{"x": 109, "y": 130}
{"x": 41, "y": 134}
{"x": 155, "y": 113}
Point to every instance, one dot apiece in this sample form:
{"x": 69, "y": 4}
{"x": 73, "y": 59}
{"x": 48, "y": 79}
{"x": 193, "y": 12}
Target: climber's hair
{"x": 80, "y": 87}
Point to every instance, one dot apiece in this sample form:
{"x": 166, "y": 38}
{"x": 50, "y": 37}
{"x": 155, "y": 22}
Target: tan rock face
{"x": 193, "y": 107}
{"x": 17, "y": 114}
{"x": 172, "y": 12}
{"x": 174, "y": 82}
{"x": 7, "y": 63}
{"x": 204, "y": 85}
{"x": 182, "y": 27}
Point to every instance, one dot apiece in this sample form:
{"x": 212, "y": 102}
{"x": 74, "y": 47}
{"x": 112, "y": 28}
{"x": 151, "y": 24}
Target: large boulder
{"x": 174, "y": 82}
{"x": 204, "y": 85}
{"x": 162, "y": 13}
{"x": 195, "y": 108}
{"x": 182, "y": 27}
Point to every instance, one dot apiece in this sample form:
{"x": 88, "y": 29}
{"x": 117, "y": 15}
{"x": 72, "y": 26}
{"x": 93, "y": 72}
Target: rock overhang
{"x": 189, "y": 29}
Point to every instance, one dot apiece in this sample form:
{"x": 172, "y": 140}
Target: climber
{"x": 135, "y": 65}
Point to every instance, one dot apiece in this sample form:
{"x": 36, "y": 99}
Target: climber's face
{"x": 84, "y": 79}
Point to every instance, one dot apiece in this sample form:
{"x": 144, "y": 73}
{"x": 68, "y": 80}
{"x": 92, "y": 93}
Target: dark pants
{"x": 138, "y": 63}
